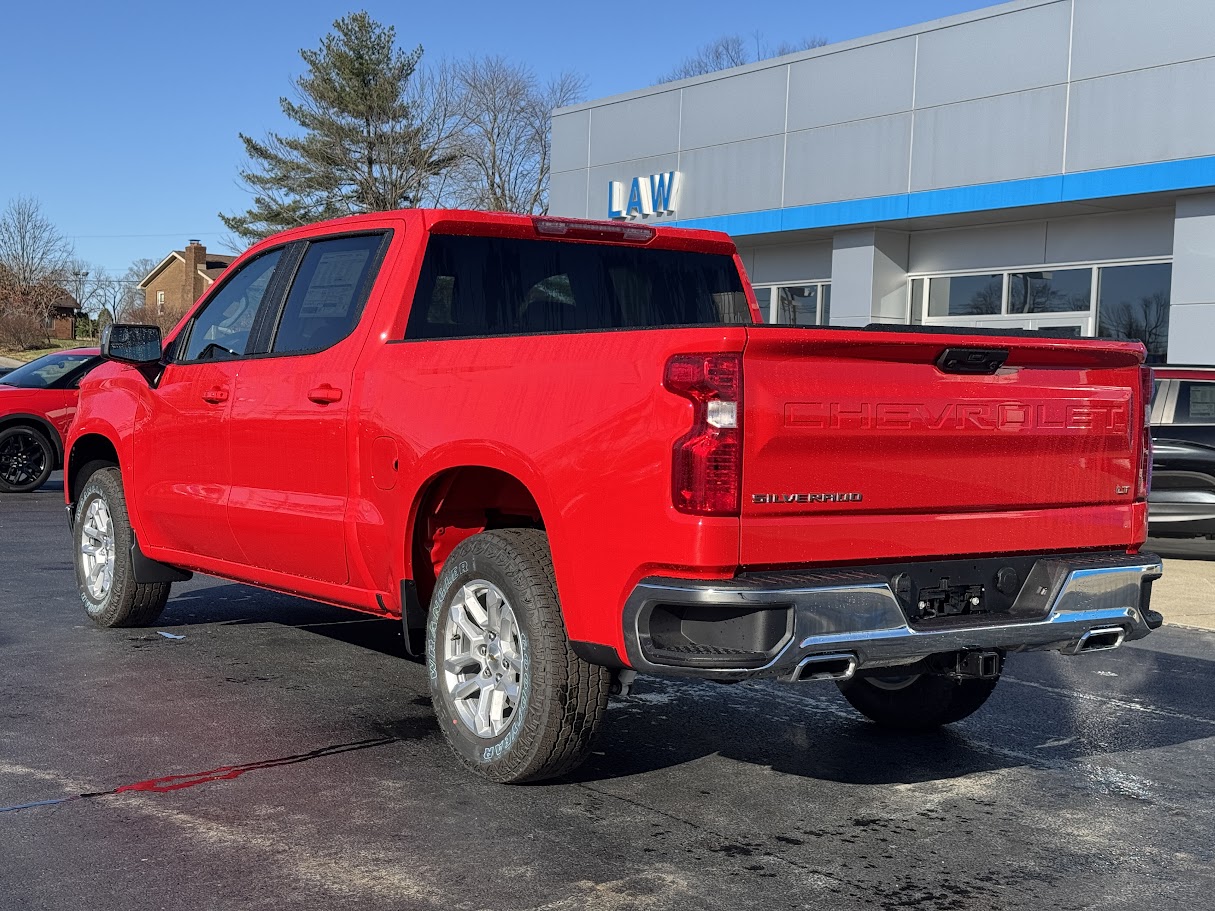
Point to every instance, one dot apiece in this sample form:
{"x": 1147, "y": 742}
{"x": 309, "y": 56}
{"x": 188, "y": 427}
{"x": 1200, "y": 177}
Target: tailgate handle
{"x": 974, "y": 361}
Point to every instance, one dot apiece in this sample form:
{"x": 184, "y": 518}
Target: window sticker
{"x": 1202, "y": 401}
{"x": 334, "y": 284}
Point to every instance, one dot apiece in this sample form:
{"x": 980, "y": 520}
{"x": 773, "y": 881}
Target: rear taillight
{"x": 706, "y": 466}
{"x": 1147, "y": 384}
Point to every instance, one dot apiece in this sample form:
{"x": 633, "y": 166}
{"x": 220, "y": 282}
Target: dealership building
{"x": 1042, "y": 164}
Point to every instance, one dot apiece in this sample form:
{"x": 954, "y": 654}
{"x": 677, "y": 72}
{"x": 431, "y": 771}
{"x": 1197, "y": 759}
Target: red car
{"x": 37, "y": 404}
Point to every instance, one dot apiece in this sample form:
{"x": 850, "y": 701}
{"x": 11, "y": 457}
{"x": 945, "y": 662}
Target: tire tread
{"x": 555, "y": 745}
{"x": 131, "y": 603}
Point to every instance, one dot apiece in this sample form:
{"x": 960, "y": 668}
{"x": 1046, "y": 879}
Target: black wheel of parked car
{"x": 917, "y": 702}
{"x": 514, "y": 701}
{"x": 27, "y": 459}
{"x": 102, "y": 536}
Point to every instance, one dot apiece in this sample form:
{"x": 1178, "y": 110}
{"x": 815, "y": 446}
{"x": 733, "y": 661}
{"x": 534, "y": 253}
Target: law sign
{"x": 657, "y": 194}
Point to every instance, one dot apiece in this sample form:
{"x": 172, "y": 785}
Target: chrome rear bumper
{"x": 1068, "y": 604}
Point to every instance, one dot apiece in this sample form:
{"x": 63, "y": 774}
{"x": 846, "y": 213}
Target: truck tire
{"x": 514, "y": 701}
{"x": 916, "y": 702}
{"x": 27, "y": 459}
{"x": 102, "y": 537}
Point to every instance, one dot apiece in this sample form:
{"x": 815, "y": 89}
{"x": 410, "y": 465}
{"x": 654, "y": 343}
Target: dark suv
{"x": 1182, "y": 500}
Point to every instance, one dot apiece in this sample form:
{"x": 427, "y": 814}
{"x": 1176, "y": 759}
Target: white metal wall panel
{"x": 977, "y": 249}
{"x": 1130, "y": 235}
{"x": 1191, "y": 329}
{"x": 1194, "y": 266}
{"x": 848, "y": 161}
{"x": 1009, "y": 53}
{"x": 852, "y": 85}
{"x": 1115, "y": 36}
{"x": 567, "y": 194}
{"x": 852, "y": 285}
{"x": 790, "y": 263}
{"x": 1008, "y": 137}
{"x": 738, "y": 177}
{"x": 635, "y": 129}
{"x": 570, "y": 141}
{"x": 740, "y": 107}
{"x": 1149, "y": 115}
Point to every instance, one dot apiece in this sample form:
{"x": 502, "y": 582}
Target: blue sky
{"x": 121, "y": 118}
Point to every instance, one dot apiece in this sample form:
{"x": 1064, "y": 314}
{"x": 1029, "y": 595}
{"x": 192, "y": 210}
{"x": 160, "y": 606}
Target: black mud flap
{"x": 413, "y": 619}
{"x": 149, "y": 571}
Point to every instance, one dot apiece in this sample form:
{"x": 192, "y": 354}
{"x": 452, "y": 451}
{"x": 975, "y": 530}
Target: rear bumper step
{"x": 831, "y": 624}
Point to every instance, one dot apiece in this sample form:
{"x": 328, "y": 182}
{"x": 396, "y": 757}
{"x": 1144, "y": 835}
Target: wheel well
{"x": 43, "y": 427}
{"x": 457, "y": 504}
{"x": 90, "y": 448}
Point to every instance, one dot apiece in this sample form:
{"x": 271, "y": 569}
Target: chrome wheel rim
{"x": 893, "y": 684}
{"x": 482, "y": 659}
{"x": 22, "y": 459}
{"x": 97, "y": 549}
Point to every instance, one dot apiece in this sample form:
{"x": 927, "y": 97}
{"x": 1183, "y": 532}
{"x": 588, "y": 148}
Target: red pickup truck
{"x": 565, "y": 452}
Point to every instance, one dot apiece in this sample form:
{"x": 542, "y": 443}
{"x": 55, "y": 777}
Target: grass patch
{"x": 56, "y": 345}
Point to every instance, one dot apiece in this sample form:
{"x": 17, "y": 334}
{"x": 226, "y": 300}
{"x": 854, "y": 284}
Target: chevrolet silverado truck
{"x": 564, "y": 452}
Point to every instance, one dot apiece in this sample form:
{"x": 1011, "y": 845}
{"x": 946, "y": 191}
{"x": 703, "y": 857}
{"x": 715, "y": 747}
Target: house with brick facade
{"x": 61, "y": 317}
{"x": 181, "y": 278}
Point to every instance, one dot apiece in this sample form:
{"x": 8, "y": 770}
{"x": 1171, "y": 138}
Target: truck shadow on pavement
{"x": 1049, "y": 712}
{"x": 1046, "y": 714}
{"x": 233, "y": 604}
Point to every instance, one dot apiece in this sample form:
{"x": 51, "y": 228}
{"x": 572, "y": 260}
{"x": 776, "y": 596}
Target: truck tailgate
{"x": 857, "y": 442}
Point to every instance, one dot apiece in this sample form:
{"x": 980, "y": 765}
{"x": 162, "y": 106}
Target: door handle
{"x": 325, "y": 394}
{"x": 216, "y": 395}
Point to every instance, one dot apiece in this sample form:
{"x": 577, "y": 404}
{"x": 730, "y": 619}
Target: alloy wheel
{"x": 482, "y": 658}
{"x": 22, "y": 459}
{"x": 97, "y": 549}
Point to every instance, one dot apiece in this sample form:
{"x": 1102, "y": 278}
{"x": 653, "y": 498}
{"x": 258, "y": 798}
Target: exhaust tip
{"x": 825, "y": 667}
{"x": 1101, "y": 640}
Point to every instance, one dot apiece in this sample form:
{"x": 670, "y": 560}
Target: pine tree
{"x": 360, "y": 148}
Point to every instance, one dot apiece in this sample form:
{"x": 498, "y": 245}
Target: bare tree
{"x": 1145, "y": 320}
{"x": 31, "y": 248}
{"x": 505, "y": 140}
{"x": 988, "y": 299}
{"x": 438, "y": 104}
{"x": 735, "y": 50}
{"x": 35, "y": 263}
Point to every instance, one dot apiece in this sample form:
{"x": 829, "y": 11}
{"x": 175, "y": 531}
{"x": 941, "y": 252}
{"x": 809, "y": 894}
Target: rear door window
{"x": 483, "y": 286}
{"x": 328, "y": 293}
{"x": 1195, "y": 403}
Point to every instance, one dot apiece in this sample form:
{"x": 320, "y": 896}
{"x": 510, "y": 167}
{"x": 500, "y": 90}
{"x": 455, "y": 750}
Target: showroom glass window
{"x": 1050, "y": 291}
{"x": 795, "y": 304}
{"x": 965, "y": 295}
{"x": 1133, "y": 305}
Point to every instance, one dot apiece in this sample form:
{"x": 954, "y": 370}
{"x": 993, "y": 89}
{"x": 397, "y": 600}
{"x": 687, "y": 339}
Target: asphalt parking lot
{"x": 282, "y": 754}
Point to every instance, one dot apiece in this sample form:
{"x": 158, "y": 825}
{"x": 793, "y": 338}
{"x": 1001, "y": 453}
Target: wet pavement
{"x": 283, "y": 754}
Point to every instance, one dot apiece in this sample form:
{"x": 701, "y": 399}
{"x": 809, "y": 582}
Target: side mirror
{"x": 137, "y": 345}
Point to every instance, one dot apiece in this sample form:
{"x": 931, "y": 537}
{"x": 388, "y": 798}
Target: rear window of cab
{"x": 485, "y": 286}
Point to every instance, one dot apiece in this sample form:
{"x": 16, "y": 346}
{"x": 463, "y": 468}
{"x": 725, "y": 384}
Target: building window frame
{"x": 919, "y": 285}
{"x": 822, "y": 299}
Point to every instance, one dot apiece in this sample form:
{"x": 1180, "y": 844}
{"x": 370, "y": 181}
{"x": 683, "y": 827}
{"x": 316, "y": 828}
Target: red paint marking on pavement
{"x": 223, "y": 773}
{"x": 228, "y": 772}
